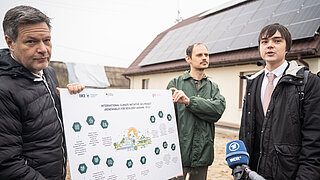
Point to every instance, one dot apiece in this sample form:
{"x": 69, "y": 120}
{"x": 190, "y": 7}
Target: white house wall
{"x": 227, "y": 79}
{"x": 314, "y": 64}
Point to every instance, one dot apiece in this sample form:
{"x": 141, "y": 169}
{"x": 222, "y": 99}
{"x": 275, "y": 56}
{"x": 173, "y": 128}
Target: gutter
{"x": 302, "y": 61}
{"x": 128, "y": 80}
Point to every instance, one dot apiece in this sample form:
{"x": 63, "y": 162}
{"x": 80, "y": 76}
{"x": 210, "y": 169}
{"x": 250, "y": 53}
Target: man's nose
{"x": 42, "y": 48}
{"x": 270, "y": 44}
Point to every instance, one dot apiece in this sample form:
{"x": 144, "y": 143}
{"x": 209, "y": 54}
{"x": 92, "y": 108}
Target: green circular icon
{"x": 165, "y": 145}
{"x": 76, "y": 127}
{"x": 160, "y": 114}
{"x": 96, "y": 160}
{"x": 152, "y": 119}
{"x": 82, "y": 168}
{"x": 109, "y": 162}
{"x": 104, "y": 124}
{"x": 157, "y": 150}
{"x": 143, "y": 160}
{"x": 129, "y": 163}
{"x": 173, "y": 147}
{"x": 90, "y": 120}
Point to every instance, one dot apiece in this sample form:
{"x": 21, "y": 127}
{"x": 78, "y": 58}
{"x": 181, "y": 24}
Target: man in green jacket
{"x": 198, "y": 105}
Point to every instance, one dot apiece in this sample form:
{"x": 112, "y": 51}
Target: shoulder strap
{"x": 301, "y": 93}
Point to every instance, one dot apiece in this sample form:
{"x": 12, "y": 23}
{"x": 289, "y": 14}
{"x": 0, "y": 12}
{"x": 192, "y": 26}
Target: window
{"x": 145, "y": 83}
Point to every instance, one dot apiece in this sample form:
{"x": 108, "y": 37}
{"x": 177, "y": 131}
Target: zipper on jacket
{"x": 197, "y": 84}
{"x": 264, "y": 125}
{"x": 60, "y": 121}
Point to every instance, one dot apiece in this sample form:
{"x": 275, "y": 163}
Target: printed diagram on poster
{"x": 121, "y": 134}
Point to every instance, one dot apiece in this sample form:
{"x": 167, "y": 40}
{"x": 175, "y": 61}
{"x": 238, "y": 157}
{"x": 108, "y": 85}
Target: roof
{"x": 231, "y": 33}
{"x": 115, "y": 77}
{"x": 113, "y": 74}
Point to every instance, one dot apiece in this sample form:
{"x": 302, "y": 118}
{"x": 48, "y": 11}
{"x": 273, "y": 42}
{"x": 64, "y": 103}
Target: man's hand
{"x": 179, "y": 96}
{"x": 75, "y": 88}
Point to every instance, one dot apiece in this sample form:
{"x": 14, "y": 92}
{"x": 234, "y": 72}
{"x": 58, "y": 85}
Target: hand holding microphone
{"x": 237, "y": 158}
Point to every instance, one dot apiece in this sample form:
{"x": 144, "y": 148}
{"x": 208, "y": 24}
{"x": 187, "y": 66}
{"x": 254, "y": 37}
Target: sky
{"x": 107, "y": 32}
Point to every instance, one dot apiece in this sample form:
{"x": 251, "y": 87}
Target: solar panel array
{"x": 238, "y": 28}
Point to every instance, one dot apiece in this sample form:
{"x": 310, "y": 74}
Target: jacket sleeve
{"x": 172, "y": 84}
{"x": 12, "y": 163}
{"x": 209, "y": 110}
{"x": 309, "y": 159}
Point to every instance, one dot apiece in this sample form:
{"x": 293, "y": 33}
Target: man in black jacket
{"x": 280, "y": 126}
{"x": 32, "y": 142}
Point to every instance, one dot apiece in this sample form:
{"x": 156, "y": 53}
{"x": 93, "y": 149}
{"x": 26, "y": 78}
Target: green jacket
{"x": 196, "y": 121}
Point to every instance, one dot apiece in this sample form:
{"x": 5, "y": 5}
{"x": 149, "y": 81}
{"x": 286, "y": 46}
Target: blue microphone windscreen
{"x": 236, "y": 153}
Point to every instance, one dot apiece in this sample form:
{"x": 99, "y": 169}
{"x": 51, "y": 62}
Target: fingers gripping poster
{"x": 121, "y": 134}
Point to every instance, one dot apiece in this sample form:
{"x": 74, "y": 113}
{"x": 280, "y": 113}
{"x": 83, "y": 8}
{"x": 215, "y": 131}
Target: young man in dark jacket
{"x": 32, "y": 142}
{"x": 198, "y": 105}
{"x": 280, "y": 126}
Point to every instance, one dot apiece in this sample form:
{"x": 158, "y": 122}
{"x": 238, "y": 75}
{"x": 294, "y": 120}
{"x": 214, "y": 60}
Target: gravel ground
{"x": 220, "y": 170}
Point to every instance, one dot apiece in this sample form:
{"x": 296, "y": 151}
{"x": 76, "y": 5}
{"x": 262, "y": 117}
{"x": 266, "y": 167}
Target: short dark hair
{"x": 21, "y": 15}
{"x": 190, "y": 49}
{"x": 271, "y": 29}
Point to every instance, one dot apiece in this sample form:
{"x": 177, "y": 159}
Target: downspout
{"x": 302, "y": 61}
{"x": 129, "y": 81}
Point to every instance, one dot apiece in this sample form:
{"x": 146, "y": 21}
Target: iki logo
{"x": 109, "y": 94}
{"x": 87, "y": 95}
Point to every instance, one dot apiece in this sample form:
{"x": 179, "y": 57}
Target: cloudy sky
{"x": 107, "y": 32}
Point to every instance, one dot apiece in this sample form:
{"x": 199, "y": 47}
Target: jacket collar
{"x": 293, "y": 69}
{"x": 186, "y": 76}
{"x": 10, "y": 67}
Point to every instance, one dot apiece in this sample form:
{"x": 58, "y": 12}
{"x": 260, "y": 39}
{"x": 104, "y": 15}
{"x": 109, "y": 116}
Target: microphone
{"x": 237, "y": 158}
{"x": 236, "y": 154}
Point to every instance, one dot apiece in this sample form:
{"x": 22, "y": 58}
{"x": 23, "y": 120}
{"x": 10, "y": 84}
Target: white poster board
{"x": 121, "y": 134}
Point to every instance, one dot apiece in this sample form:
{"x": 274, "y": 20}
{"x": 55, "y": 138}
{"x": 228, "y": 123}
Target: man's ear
{"x": 188, "y": 59}
{"x": 9, "y": 42}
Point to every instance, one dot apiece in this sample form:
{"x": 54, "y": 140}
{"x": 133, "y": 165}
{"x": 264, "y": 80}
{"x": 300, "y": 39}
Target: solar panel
{"x": 242, "y": 19}
{"x": 307, "y": 13}
{"x": 266, "y": 3}
{"x": 222, "y": 45}
{"x": 302, "y": 30}
{"x": 245, "y": 41}
{"x": 254, "y": 26}
{"x": 264, "y": 12}
{"x": 238, "y": 28}
{"x": 311, "y": 2}
{"x": 287, "y": 7}
{"x": 284, "y": 19}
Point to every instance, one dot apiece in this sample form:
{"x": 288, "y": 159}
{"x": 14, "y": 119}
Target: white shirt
{"x": 278, "y": 72}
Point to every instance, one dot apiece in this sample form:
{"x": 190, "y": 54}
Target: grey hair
{"x": 21, "y": 15}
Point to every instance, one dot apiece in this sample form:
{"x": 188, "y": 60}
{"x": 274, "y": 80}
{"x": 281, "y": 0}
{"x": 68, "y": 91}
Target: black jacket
{"x": 31, "y": 131}
{"x": 289, "y": 147}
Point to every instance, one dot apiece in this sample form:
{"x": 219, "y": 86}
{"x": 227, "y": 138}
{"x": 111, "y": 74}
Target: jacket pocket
{"x": 286, "y": 161}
